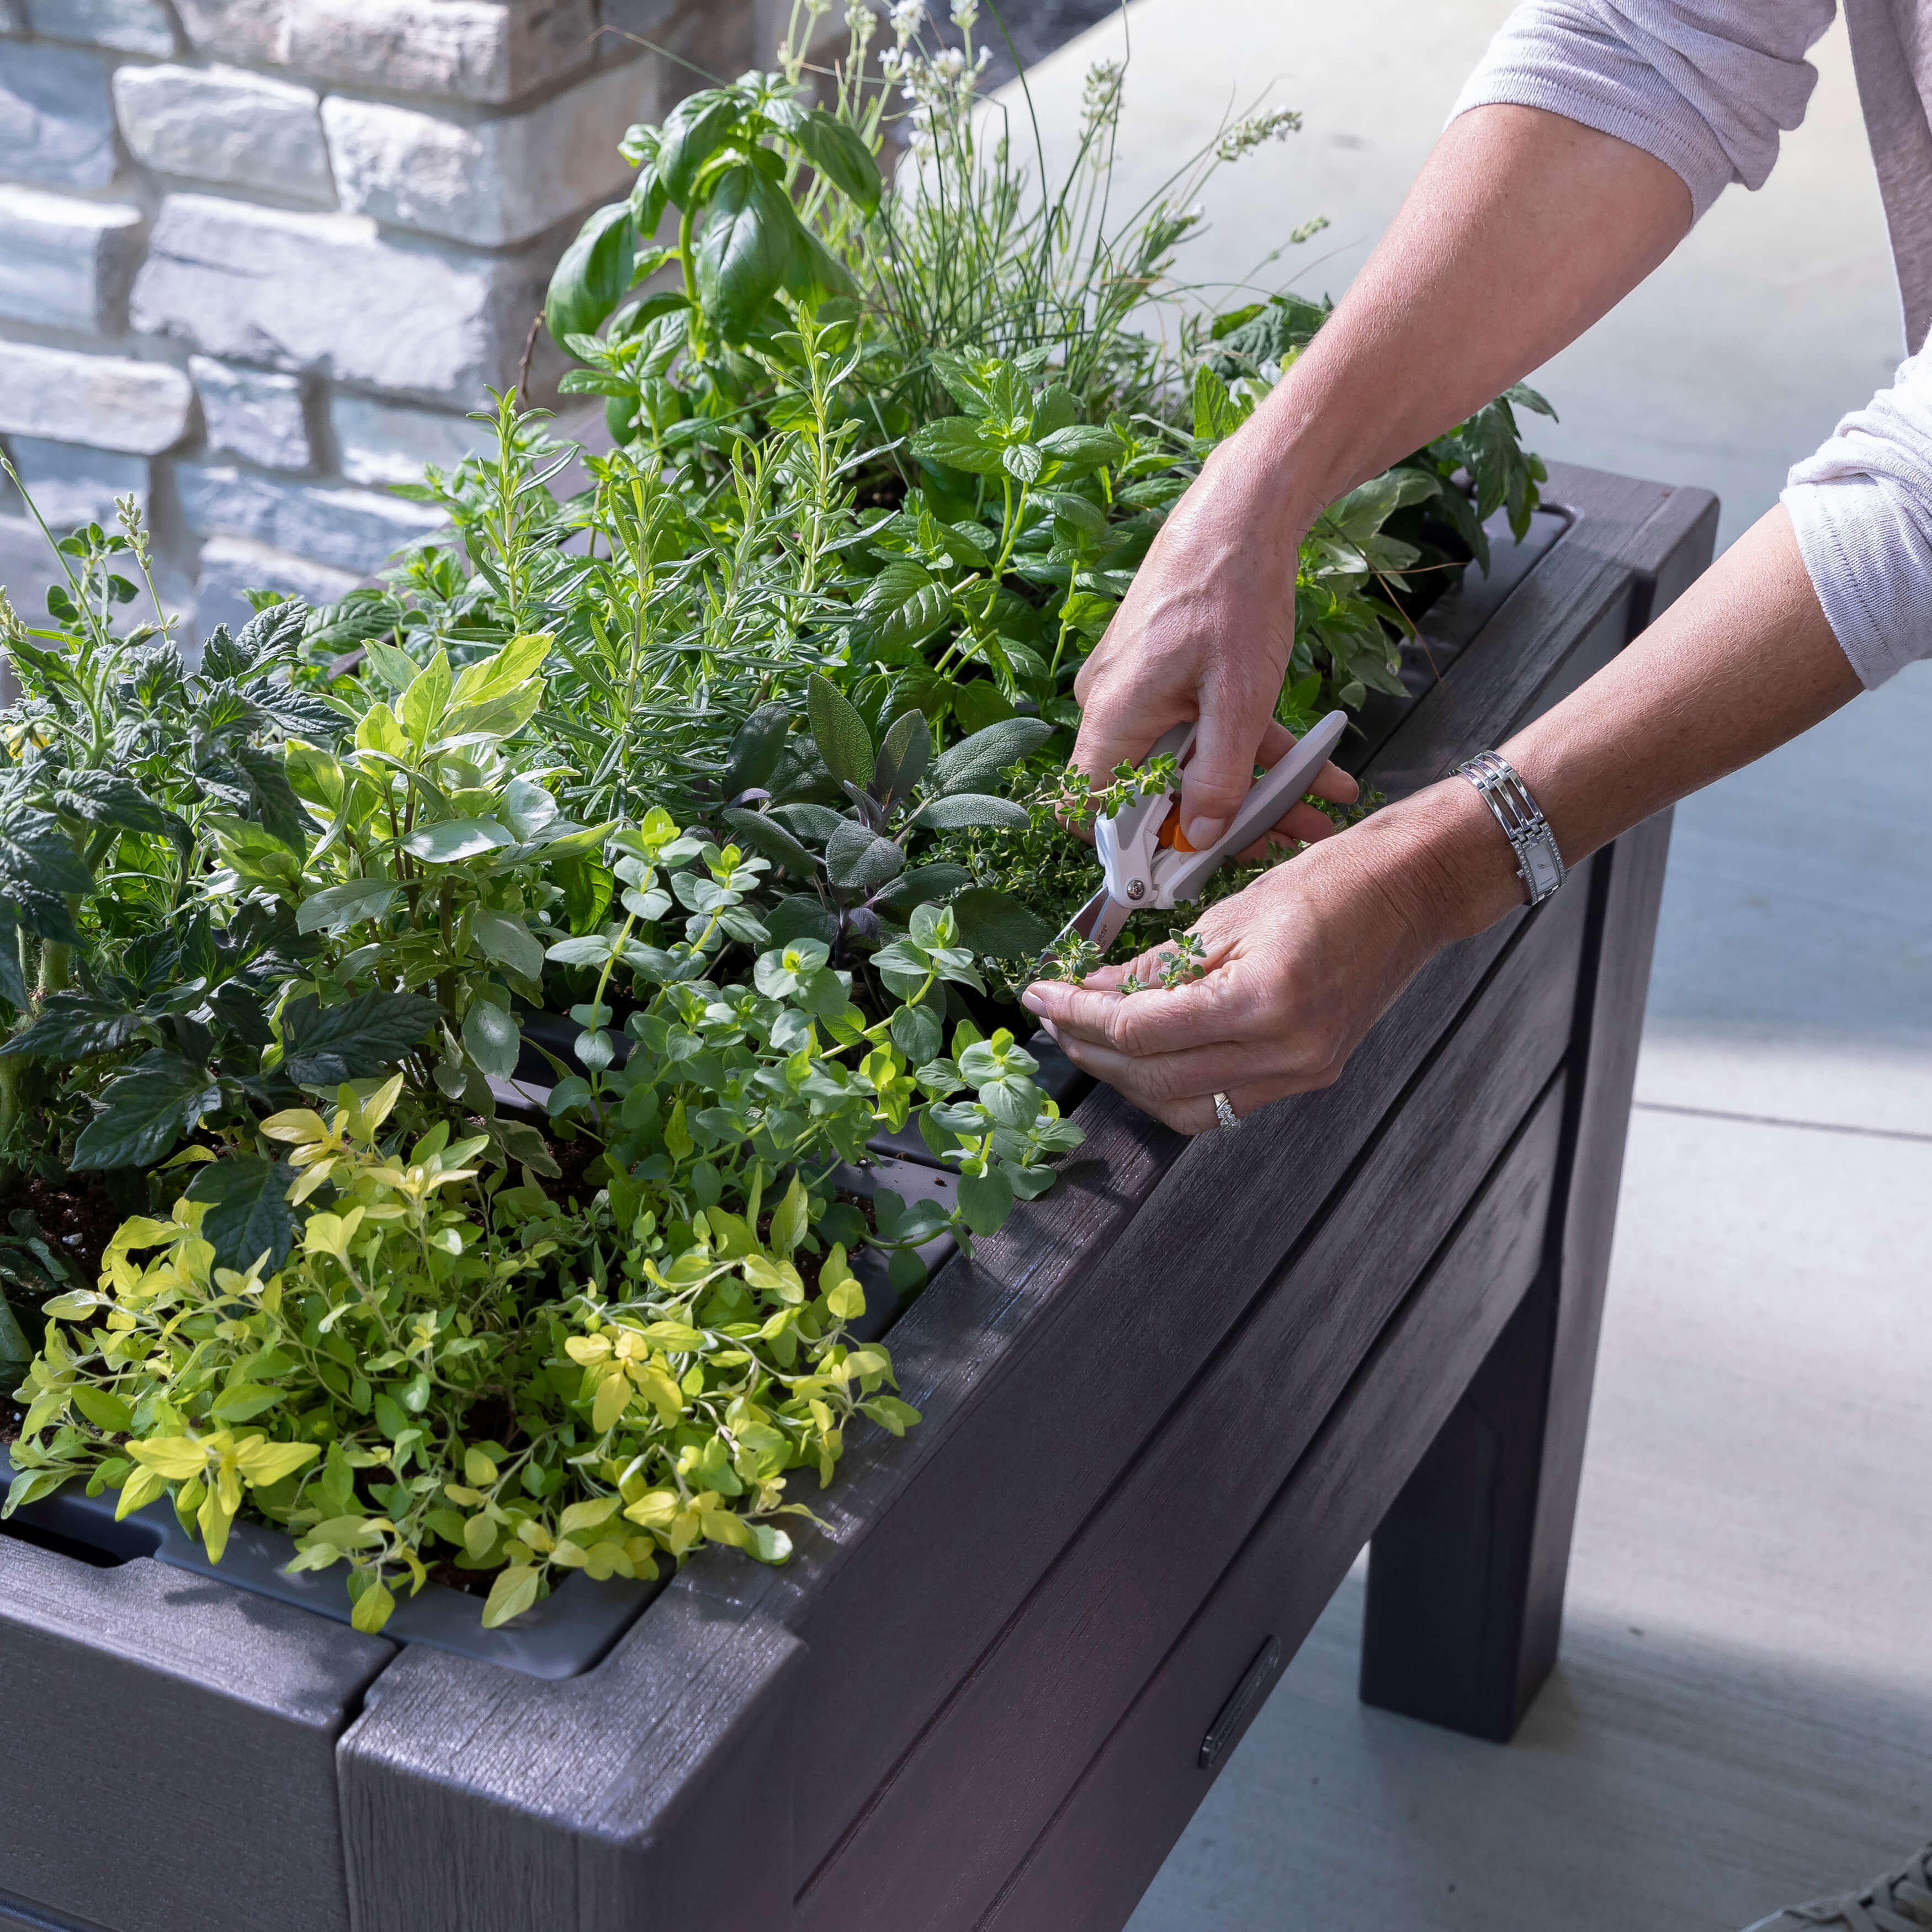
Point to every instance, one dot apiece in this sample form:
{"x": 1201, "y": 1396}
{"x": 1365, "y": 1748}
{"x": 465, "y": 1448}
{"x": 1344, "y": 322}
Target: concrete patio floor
{"x": 1743, "y": 1713}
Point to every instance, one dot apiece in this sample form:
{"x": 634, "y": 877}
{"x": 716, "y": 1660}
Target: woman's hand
{"x": 1205, "y": 633}
{"x": 1299, "y": 966}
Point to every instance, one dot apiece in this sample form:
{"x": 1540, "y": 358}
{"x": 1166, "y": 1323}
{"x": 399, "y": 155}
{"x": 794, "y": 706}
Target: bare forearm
{"x": 1522, "y": 230}
{"x": 1742, "y": 662}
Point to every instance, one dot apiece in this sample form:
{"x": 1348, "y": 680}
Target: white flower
{"x": 861, "y": 21}
{"x": 950, "y": 64}
{"x": 965, "y": 15}
{"x": 908, "y": 17}
{"x": 1276, "y": 124}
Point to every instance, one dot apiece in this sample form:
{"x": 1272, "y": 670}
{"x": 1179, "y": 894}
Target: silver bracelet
{"x": 1538, "y": 863}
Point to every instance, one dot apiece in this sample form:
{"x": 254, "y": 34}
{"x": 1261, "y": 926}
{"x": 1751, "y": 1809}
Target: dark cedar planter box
{"x": 1164, "y": 1409}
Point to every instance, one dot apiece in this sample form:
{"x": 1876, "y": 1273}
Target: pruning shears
{"x": 1146, "y": 860}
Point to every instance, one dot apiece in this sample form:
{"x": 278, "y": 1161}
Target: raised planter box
{"x": 1163, "y": 1409}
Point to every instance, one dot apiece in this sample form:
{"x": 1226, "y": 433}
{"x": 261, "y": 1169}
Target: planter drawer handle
{"x": 1241, "y": 1703}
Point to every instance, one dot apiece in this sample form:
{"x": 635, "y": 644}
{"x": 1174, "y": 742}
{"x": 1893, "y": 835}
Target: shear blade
{"x": 1099, "y": 921}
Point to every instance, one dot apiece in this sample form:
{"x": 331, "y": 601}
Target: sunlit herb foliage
{"x": 743, "y": 749}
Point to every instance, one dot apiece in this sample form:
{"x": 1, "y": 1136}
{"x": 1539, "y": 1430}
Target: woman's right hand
{"x": 1205, "y": 633}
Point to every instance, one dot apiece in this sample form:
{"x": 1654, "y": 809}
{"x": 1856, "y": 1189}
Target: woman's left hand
{"x": 1299, "y": 966}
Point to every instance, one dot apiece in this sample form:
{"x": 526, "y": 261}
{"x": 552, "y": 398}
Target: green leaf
{"x": 595, "y": 271}
{"x": 749, "y": 234}
{"x": 796, "y": 916}
{"x": 840, "y": 732}
{"x": 1023, "y": 460}
{"x": 789, "y": 1218}
{"x": 144, "y": 1112}
{"x": 1522, "y": 396}
{"x": 858, "y": 859}
{"x": 985, "y": 1200}
{"x": 16, "y": 1350}
{"x": 371, "y": 1610}
{"x": 924, "y": 885}
{"x": 322, "y": 1046}
{"x": 512, "y": 1594}
{"x": 958, "y": 442}
{"x": 976, "y": 761}
{"x": 904, "y": 604}
{"x": 839, "y": 152}
{"x": 965, "y": 380}
{"x": 997, "y": 926}
{"x": 106, "y": 798}
{"x": 917, "y": 1033}
{"x": 902, "y": 758}
{"x": 979, "y": 702}
{"x": 248, "y": 1210}
{"x": 1080, "y": 447}
{"x": 490, "y": 1035}
{"x": 75, "y": 1026}
{"x": 508, "y": 941}
{"x": 40, "y": 870}
{"x": 957, "y": 810}
{"x": 693, "y": 131}
{"x": 453, "y": 840}
{"x": 1216, "y": 414}
{"x": 754, "y": 750}
{"x": 770, "y": 840}
{"x": 336, "y": 908}
{"x": 101, "y": 1407}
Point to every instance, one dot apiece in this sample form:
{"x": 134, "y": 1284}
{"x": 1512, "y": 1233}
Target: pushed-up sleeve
{"x": 1707, "y": 86}
{"x": 1862, "y": 509}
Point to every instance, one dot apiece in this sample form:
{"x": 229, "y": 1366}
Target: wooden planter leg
{"x": 1466, "y": 1572}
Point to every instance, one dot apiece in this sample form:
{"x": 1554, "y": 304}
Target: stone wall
{"x": 259, "y": 258}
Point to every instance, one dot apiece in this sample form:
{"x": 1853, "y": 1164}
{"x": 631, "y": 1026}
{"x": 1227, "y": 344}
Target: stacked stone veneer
{"x": 260, "y": 258}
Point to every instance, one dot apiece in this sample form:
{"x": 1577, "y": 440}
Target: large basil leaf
{"x": 595, "y": 270}
{"x": 959, "y": 443}
{"x": 904, "y": 604}
{"x": 749, "y": 235}
{"x": 693, "y": 131}
{"x": 838, "y": 151}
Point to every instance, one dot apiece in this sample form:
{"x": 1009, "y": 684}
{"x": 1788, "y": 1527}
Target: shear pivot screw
{"x": 1137, "y": 889}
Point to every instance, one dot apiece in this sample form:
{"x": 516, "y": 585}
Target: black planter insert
{"x": 1164, "y": 1408}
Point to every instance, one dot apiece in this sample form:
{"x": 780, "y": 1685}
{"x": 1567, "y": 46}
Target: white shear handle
{"x": 1273, "y": 793}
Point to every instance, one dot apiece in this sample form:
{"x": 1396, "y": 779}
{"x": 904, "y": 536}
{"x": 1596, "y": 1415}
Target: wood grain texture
{"x": 1464, "y": 1603}
{"x": 937, "y": 1841}
{"x": 614, "y": 1800}
{"x": 20, "y": 1915}
{"x": 199, "y": 1721}
{"x": 1086, "y": 1869}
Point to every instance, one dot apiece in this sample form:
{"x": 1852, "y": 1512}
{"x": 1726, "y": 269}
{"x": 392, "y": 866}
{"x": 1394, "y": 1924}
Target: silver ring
{"x": 1224, "y": 1111}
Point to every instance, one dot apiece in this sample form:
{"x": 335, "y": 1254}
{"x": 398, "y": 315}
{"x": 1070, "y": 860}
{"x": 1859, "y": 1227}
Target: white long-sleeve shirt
{"x": 1708, "y": 86}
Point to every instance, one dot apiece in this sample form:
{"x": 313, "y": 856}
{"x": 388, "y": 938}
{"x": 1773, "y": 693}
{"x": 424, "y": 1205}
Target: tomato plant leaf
{"x": 248, "y": 1211}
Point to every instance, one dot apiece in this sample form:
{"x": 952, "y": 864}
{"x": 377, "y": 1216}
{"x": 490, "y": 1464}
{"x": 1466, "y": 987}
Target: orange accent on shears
{"x": 1171, "y": 835}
